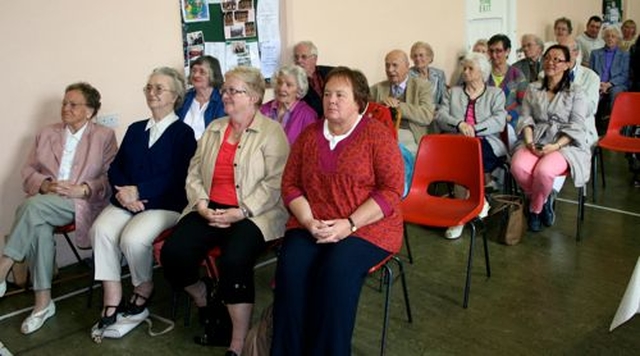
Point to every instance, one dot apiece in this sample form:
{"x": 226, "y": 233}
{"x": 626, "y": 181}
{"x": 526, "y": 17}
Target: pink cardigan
{"x": 94, "y": 154}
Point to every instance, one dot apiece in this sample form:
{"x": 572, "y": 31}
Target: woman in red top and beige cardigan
{"x": 233, "y": 188}
{"x": 342, "y": 184}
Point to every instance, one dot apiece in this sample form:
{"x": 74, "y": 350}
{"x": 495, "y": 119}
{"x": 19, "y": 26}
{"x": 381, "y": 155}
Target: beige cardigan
{"x": 260, "y": 159}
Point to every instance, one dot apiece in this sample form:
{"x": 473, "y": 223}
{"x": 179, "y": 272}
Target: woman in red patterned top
{"x": 342, "y": 184}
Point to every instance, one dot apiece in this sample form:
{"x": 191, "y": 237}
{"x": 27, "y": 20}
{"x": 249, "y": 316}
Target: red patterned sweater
{"x": 366, "y": 164}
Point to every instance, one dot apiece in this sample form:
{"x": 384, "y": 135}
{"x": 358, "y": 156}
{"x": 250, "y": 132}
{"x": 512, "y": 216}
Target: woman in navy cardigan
{"x": 147, "y": 177}
{"x": 203, "y": 102}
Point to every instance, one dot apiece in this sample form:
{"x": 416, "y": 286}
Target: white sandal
{"x": 35, "y": 321}
{"x": 454, "y": 232}
{"x": 3, "y": 288}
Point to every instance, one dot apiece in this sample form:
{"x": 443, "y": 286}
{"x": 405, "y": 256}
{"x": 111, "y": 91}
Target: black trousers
{"x": 241, "y": 244}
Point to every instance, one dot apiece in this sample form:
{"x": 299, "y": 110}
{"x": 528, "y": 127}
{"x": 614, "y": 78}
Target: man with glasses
{"x": 305, "y": 54}
{"x": 531, "y": 64}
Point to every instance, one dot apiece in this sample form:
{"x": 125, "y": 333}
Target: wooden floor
{"x": 547, "y": 295}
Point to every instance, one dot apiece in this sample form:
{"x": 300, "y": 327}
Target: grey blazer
{"x": 491, "y": 116}
{"x": 565, "y": 114}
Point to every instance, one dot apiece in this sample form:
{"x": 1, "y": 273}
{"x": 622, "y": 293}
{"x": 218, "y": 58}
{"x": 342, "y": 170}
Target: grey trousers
{"x": 31, "y": 236}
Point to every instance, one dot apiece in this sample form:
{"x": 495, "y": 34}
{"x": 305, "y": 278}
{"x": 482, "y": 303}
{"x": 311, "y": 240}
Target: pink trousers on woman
{"x": 535, "y": 174}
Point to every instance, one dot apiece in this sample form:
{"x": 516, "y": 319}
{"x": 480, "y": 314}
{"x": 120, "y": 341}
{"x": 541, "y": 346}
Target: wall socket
{"x": 109, "y": 120}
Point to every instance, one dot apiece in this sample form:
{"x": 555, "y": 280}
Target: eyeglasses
{"x": 232, "y": 91}
{"x": 155, "y": 90}
{"x": 496, "y": 50}
{"x": 303, "y": 56}
{"x": 554, "y": 60}
{"x": 72, "y": 105}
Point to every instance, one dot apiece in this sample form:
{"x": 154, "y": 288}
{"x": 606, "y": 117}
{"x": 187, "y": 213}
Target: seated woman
{"x": 628, "y": 34}
{"x": 612, "y": 65}
{"x": 342, "y": 184}
{"x": 422, "y": 57}
{"x": 290, "y": 86}
{"x": 147, "y": 177}
{"x": 508, "y": 78}
{"x": 202, "y": 103}
{"x": 233, "y": 187}
{"x": 553, "y": 132}
{"x": 65, "y": 178}
{"x": 474, "y": 109}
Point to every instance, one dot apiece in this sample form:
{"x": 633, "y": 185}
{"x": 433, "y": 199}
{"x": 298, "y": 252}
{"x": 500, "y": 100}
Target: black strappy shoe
{"x": 132, "y": 308}
{"x": 106, "y": 320}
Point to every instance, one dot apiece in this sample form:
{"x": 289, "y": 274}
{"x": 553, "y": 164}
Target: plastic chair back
{"x": 449, "y": 158}
{"x": 625, "y": 112}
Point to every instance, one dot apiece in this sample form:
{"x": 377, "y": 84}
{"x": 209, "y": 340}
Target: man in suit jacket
{"x": 305, "y": 54}
{"x": 412, "y": 96}
{"x": 612, "y": 65}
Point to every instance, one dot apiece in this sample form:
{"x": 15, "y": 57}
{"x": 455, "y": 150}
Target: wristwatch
{"x": 354, "y": 228}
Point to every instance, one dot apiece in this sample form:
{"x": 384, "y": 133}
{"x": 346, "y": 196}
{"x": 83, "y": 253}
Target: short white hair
{"x": 479, "y": 60}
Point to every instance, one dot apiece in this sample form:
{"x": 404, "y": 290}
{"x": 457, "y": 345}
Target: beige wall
{"x": 45, "y": 45}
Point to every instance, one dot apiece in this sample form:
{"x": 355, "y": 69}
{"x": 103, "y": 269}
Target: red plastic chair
{"x": 625, "y": 113}
{"x": 448, "y": 158}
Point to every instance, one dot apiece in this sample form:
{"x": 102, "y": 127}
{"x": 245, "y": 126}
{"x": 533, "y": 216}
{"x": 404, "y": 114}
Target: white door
{"x": 486, "y": 18}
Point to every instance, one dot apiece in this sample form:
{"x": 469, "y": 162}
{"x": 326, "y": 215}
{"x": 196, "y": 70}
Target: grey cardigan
{"x": 565, "y": 114}
{"x": 491, "y": 116}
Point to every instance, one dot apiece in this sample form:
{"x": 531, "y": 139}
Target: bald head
{"x": 396, "y": 65}
{"x": 572, "y": 45}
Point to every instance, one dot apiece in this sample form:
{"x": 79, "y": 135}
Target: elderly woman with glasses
{"x": 65, "y": 179}
{"x": 147, "y": 177}
{"x": 288, "y": 108}
{"x": 233, "y": 188}
{"x": 553, "y": 135}
{"x": 202, "y": 103}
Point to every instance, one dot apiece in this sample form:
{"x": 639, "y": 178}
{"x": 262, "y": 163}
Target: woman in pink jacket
{"x": 65, "y": 178}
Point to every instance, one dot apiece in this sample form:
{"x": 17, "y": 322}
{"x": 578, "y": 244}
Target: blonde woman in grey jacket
{"x": 475, "y": 110}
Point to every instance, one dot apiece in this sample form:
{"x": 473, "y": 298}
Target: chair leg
{"x": 580, "y": 217}
{"x": 594, "y": 173}
{"x": 600, "y": 155}
{"x": 405, "y": 292}
{"x": 406, "y": 243}
{"x": 388, "y": 280}
{"x": 467, "y": 286}
{"x": 72, "y": 246}
{"x": 486, "y": 249}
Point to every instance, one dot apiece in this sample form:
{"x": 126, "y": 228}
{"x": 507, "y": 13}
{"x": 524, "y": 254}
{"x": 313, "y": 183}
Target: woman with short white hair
{"x": 290, "y": 85}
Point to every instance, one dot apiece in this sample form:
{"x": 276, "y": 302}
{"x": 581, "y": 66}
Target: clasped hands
{"x": 221, "y": 218}
{"x": 63, "y": 188}
{"x": 328, "y": 231}
{"x": 129, "y": 197}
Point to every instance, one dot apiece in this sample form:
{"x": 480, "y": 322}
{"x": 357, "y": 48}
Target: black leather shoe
{"x": 230, "y": 353}
{"x": 535, "y": 224}
{"x": 548, "y": 214}
{"x": 132, "y": 308}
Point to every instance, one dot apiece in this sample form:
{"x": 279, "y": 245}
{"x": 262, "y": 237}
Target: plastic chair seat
{"x": 450, "y": 212}
{"x": 616, "y": 142}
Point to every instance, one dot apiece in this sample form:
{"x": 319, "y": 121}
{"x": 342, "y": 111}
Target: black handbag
{"x": 215, "y": 318}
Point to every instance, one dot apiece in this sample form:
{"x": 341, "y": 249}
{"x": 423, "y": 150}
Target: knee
{"x": 101, "y": 234}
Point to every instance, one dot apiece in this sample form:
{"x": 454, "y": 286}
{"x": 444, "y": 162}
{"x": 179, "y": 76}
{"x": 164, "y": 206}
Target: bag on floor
{"x": 125, "y": 323}
{"x": 508, "y": 212}
{"x": 217, "y": 322}
{"x": 258, "y": 341}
